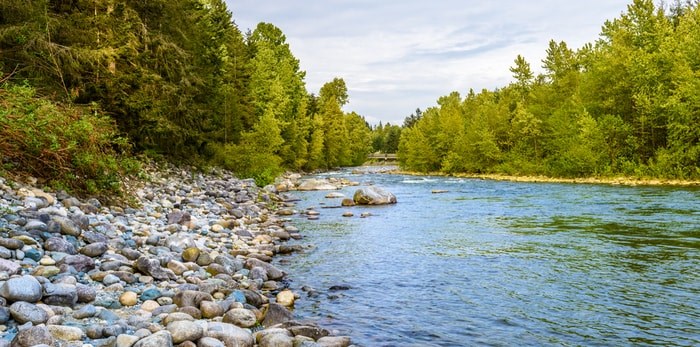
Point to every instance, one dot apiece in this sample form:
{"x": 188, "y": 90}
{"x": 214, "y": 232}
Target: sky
{"x": 399, "y": 55}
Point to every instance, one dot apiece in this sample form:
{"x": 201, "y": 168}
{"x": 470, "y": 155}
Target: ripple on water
{"x": 501, "y": 263}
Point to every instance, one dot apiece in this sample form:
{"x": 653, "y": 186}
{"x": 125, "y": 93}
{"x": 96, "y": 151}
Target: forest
{"x": 627, "y": 104}
{"x": 87, "y": 84}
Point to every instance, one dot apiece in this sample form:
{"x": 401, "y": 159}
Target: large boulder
{"x": 373, "y": 196}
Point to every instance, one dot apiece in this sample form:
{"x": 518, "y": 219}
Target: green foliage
{"x": 385, "y": 138}
{"x": 627, "y": 104}
{"x": 181, "y": 81}
{"x": 71, "y": 147}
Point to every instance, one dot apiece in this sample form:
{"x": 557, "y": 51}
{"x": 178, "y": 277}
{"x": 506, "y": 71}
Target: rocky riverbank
{"x": 189, "y": 266}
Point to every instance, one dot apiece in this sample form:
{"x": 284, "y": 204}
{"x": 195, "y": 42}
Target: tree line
{"x": 179, "y": 79}
{"x": 627, "y": 104}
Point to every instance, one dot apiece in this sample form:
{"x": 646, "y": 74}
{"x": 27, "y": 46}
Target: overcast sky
{"x": 396, "y": 56}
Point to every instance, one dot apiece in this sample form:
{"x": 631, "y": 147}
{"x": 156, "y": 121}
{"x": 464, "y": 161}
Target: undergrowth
{"x": 69, "y": 147}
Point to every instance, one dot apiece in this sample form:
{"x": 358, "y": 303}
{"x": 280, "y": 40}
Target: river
{"x": 503, "y": 264}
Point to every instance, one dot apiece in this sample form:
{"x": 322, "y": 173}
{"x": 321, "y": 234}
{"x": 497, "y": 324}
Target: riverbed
{"x": 502, "y": 263}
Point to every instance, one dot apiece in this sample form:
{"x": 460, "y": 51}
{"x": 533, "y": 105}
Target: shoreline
{"x": 192, "y": 265}
{"x": 616, "y": 181}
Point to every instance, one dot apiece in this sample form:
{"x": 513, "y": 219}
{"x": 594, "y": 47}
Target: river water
{"x": 503, "y": 264}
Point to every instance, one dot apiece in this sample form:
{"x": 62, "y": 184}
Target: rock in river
{"x": 373, "y": 196}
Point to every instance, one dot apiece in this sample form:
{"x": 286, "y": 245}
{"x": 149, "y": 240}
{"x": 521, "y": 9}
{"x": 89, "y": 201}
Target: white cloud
{"x": 396, "y": 56}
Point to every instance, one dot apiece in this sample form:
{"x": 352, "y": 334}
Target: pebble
{"x": 128, "y": 299}
{"x": 285, "y": 298}
{"x": 190, "y": 266}
{"x": 183, "y": 330}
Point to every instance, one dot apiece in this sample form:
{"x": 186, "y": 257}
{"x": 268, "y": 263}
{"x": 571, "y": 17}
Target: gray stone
{"x": 273, "y": 273}
{"x": 25, "y": 288}
{"x": 79, "y": 262}
{"x": 34, "y": 336}
{"x": 152, "y": 268}
{"x": 4, "y": 314}
{"x": 114, "y": 330}
{"x": 110, "y": 279}
{"x": 276, "y": 314}
{"x": 24, "y": 312}
{"x": 94, "y": 249}
{"x": 93, "y": 237}
{"x": 209, "y": 342}
{"x": 191, "y": 298}
{"x": 125, "y": 340}
{"x": 86, "y": 311}
{"x": 178, "y": 217}
{"x": 229, "y": 334}
{"x": 309, "y": 331}
{"x": 58, "y": 244}
{"x": 334, "y": 341}
{"x": 159, "y": 339}
{"x": 60, "y": 294}
{"x": 9, "y": 266}
{"x": 258, "y": 272}
{"x": 183, "y": 330}
{"x": 275, "y": 338}
{"x": 229, "y": 263}
{"x": 67, "y": 226}
{"x": 85, "y": 293}
{"x": 35, "y": 224}
{"x": 373, "y": 196}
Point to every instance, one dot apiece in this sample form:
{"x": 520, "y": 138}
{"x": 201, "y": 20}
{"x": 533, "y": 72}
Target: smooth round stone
{"x": 348, "y": 214}
{"x": 277, "y": 339}
{"x": 336, "y": 341}
{"x": 86, "y": 293}
{"x": 210, "y": 342}
{"x": 12, "y": 244}
{"x": 94, "y": 249}
{"x": 164, "y": 301}
{"x": 33, "y": 336}
{"x": 25, "y": 288}
{"x": 285, "y": 298}
{"x": 190, "y": 254}
{"x": 149, "y": 305}
{"x": 217, "y": 228}
{"x": 24, "y": 312}
{"x": 66, "y": 333}
{"x": 125, "y": 340}
{"x": 240, "y": 317}
{"x": 46, "y": 271}
{"x": 128, "y": 298}
{"x": 33, "y": 254}
{"x": 86, "y": 311}
{"x": 150, "y": 294}
{"x": 211, "y": 309}
{"x": 159, "y": 339}
{"x": 110, "y": 279}
{"x": 183, "y": 330}
{"x": 47, "y": 261}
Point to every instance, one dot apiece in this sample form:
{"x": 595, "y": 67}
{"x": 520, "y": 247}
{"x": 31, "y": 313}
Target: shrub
{"x": 70, "y": 147}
